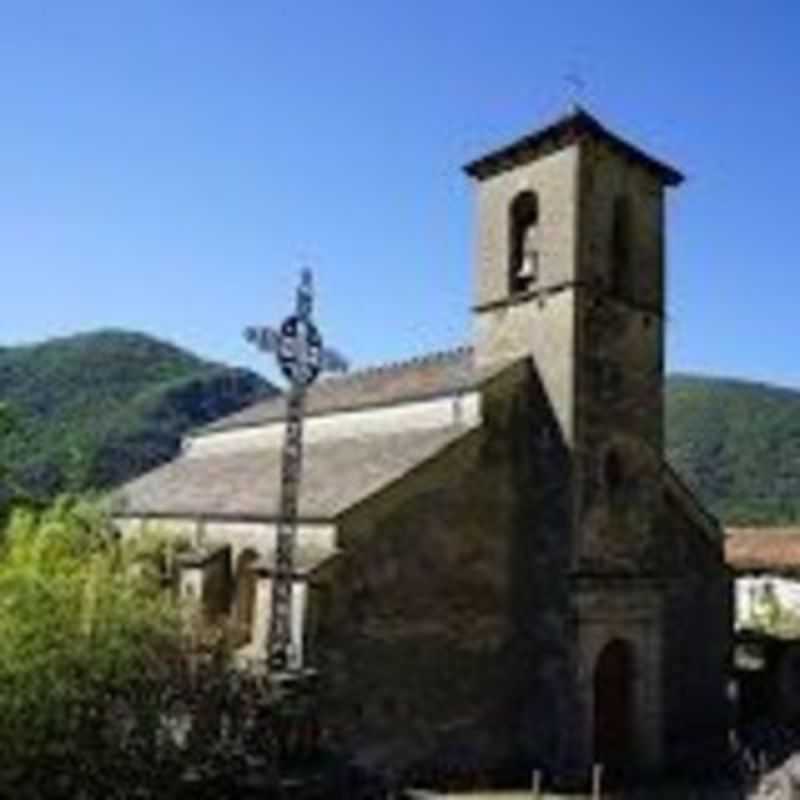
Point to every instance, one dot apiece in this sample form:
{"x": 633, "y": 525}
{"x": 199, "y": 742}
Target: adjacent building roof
{"x": 562, "y": 133}
{"x": 774, "y": 549}
{"x": 420, "y": 378}
{"x": 245, "y": 484}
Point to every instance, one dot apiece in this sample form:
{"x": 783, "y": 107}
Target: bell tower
{"x": 570, "y": 274}
{"x": 569, "y": 270}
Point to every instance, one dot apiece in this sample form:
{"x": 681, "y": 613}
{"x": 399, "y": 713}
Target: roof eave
{"x": 279, "y": 418}
{"x": 561, "y": 134}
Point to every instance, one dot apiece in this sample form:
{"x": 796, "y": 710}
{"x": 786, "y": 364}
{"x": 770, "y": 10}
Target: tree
{"x": 79, "y": 631}
{"x": 98, "y": 698}
{"x": 10, "y": 490}
{"x": 6, "y": 428}
{"x": 6, "y": 420}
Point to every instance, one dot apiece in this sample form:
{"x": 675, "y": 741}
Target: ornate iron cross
{"x": 301, "y": 357}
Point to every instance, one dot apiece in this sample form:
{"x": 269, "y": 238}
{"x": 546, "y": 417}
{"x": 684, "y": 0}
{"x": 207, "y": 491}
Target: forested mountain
{"x": 737, "y": 444}
{"x": 92, "y": 410}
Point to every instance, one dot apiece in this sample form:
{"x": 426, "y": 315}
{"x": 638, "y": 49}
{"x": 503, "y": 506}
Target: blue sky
{"x": 168, "y": 166}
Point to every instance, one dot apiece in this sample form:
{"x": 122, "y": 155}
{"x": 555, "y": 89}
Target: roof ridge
{"x": 391, "y": 366}
{"x": 564, "y": 130}
{"x": 422, "y": 376}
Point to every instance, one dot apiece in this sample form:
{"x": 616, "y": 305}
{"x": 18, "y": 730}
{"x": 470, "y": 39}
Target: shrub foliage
{"x": 98, "y": 695}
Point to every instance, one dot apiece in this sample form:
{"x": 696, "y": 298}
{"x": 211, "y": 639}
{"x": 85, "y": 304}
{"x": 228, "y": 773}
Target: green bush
{"x": 77, "y": 628}
{"x": 99, "y": 697}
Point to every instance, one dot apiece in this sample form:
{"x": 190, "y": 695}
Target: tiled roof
{"x": 562, "y": 133}
{"x": 337, "y": 474}
{"x": 775, "y": 549}
{"x": 420, "y": 378}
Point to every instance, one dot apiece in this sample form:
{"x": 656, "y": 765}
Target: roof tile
{"x": 562, "y": 133}
{"x": 245, "y": 484}
{"x": 416, "y": 379}
{"x": 763, "y": 549}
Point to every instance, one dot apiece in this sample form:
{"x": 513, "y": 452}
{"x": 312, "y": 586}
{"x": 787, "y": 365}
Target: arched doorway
{"x": 614, "y": 710}
{"x": 244, "y": 598}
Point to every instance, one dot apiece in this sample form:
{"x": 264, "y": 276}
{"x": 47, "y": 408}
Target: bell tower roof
{"x": 572, "y": 127}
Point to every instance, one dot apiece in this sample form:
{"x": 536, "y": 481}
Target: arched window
{"x": 523, "y": 266}
{"x": 621, "y": 246}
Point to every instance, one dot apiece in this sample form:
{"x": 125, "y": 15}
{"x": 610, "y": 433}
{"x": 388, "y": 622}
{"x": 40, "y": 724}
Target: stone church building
{"x": 494, "y": 558}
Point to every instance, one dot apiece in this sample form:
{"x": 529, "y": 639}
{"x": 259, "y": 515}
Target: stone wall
{"x": 441, "y": 628}
{"x": 544, "y": 330}
{"x": 554, "y": 180}
{"x": 619, "y": 366}
{"x": 698, "y": 630}
{"x": 539, "y": 323}
{"x": 605, "y": 175}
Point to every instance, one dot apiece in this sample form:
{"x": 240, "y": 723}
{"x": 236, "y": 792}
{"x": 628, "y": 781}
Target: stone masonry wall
{"x": 698, "y": 639}
{"x": 542, "y": 326}
{"x": 619, "y": 367}
{"x": 553, "y": 178}
{"x": 441, "y": 629}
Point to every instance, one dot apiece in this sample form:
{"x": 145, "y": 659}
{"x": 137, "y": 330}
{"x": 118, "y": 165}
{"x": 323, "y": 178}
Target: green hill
{"x": 95, "y": 409}
{"x": 737, "y": 444}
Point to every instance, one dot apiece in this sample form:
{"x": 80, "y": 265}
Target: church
{"x": 493, "y": 556}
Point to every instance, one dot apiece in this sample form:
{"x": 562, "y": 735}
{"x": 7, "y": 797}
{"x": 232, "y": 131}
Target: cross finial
{"x": 576, "y": 85}
{"x": 305, "y": 293}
